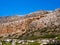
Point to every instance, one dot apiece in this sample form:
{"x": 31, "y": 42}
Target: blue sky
{"x": 21, "y": 7}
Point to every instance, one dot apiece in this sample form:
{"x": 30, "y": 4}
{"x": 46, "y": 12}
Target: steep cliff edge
{"x": 20, "y": 26}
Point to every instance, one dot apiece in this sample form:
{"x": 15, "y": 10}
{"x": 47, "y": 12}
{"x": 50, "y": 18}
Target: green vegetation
{"x": 6, "y": 43}
{"x": 58, "y": 43}
{"x": 17, "y": 43}
{"x": 33, "y": 37}
{"x": 58, "y": 37}
{"x": 10, "y": 43}
{"x": 48, "y": 36}
{"x": 30, "y": 38}
{"x": 32, "y": 43}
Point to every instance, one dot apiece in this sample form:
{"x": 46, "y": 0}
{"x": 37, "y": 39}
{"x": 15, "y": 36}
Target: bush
{"x": 48, "y": 36}
{"x": 32, "y": 43}
{"x": 52, "y": 44}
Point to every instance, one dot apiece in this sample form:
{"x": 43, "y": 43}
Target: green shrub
{"x": 48, "y": 36}
{"x": 52, "y": 44}
{"x": 6, "y": 43}
{"x": 58, "y": 38}
{"x": 32, "y": 43}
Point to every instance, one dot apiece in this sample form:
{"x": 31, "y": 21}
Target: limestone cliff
{"x": 16, "y": 26}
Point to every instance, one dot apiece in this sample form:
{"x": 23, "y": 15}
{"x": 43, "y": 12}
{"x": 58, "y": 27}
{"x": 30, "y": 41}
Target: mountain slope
{"x": 20, "y": 26}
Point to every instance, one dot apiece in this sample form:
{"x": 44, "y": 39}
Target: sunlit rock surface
{"x": 16, "y": 26}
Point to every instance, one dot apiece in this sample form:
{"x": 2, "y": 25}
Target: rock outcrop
{"x": 16, "y": 26}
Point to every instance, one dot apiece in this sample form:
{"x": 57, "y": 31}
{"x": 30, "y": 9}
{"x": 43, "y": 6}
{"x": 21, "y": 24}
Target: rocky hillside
{"x": 36, "y": 23}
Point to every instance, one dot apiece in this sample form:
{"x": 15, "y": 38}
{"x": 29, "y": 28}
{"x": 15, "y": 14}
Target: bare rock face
{"x": 15, "y": 26}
